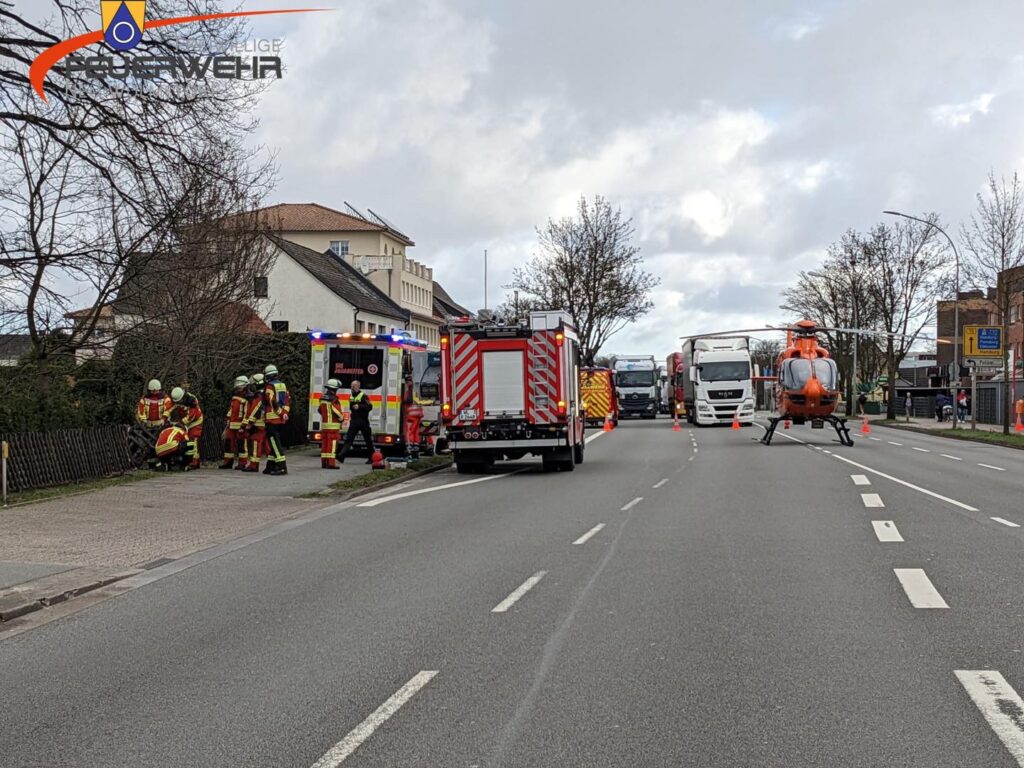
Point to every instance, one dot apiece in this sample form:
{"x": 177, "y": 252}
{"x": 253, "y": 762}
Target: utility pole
{"x": 856, "y": 338}
{"x": 485, "y": 278}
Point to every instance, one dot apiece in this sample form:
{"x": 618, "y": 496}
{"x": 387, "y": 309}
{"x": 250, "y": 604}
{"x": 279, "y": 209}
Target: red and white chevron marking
{"x": 467, "y": 392}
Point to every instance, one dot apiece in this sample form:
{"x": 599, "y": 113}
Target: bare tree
{"x": 589, "y": 267}
{"x": 765, "y": 354}
{"x": 904, "y": 268}
{"x": 91, "y": 180}
{"x": 993, "y": 242}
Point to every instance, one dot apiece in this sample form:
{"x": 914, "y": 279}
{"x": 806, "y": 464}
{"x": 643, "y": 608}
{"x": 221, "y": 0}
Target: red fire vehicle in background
{"x": 512, "y": 389}
{"x": 674, "y": 370}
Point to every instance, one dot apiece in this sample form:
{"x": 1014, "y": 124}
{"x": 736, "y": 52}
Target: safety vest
{"x": 170, "y": 441}
{"x": 331, "y": 414}
{"x": 187, "y": 412}
{"x": 254, "y": 417}
{"x": 152, "y": 411}
{"x": 236, "y": 411}
{"x": 278, "y": 401}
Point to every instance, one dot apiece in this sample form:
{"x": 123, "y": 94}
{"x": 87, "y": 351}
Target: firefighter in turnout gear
{"x": 153, "y": 406}
{"x": 172, "y": 448}
{"x": 234, "y": 442}
{"x": 331, "y": 418}
{"x": 186, "y": 411}
{"x": 359, "y": 407}
{"x": 254, "y": 424}
{"x": 277, "y": 404}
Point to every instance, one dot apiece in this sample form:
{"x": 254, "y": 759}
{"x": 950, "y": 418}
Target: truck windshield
{"x": 634, "y": 379}
{"x": 727, "y": 370}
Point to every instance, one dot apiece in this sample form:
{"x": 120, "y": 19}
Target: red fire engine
{"x": 508, "y": 390}
{"x": 674, "y": 370}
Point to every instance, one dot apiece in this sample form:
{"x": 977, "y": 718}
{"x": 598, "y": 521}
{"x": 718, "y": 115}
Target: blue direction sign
{"x": 983, "y": 341}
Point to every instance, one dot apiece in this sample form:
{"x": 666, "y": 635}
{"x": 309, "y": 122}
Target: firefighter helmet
{"x": 241, "y": 381}
{"x": 333, "y": 384}
{"x": 154, "y": 385}
{"x": 257, "y": 379}
{"x": 270, "y": 370}
{"x": 177, "y": 394}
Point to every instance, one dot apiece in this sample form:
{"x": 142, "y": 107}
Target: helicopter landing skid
{"x": 837, "y": 423}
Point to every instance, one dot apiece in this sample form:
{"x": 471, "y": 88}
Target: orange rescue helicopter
{"x": 806, "y": 381}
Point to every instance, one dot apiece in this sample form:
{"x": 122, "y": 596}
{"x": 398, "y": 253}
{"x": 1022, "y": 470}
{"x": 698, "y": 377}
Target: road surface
{"x": 682, "y": 598}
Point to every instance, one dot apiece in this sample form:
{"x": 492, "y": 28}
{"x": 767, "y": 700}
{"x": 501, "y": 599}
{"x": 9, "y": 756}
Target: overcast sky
{"x": 741, "y": 136}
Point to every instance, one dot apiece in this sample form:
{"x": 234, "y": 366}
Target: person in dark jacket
{"x": 359, "y": 407}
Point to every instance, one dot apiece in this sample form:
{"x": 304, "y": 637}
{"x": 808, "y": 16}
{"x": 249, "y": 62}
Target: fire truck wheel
{"x": 577, "y": 453}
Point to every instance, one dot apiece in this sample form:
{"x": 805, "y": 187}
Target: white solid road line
{"x": 892, "y": 443}
{"x": 521, "y": 590}
{"x": 337, "y": 754}
{"x": 583, "y": 539}
{"x": 999, "y": 705}
{"x": 886, "y": 530}
{"x": 407, "y": 494}
{"x": 660, "y": 483}
{"x": 1007, "y": 523}
{"x": 947, "y": 456}
{"x": 919, "y": 588}
{"x": 594, "y": 436}
{"x": 632, "y": 504}
{"x": 871, "y": 500}
{"x": 922, "y": 450}
{"x": 860, "y": 479}
{"x": 989, "y": 466}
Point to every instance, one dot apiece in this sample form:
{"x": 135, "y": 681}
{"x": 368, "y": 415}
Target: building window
{"x": 1014, "y": 313}
{"x": 279, "y": 326}
{"x": 261, "y": 288}
{"x": 339, "y": 247}
{"x": 381, "y": 329}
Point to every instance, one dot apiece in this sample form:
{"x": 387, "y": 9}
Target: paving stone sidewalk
{"x": 62, "y": 545}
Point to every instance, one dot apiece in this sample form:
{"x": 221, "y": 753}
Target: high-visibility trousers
{"x": 329, "y": 448}
{"x": 275, "y": 448}
{"x": 234, "y": 446}
{"x": 257, "y": 438}
{"x": 192, "y": 450}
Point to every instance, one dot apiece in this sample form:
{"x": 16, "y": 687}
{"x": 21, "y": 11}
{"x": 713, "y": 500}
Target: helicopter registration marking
{"x": 871, "y": 500}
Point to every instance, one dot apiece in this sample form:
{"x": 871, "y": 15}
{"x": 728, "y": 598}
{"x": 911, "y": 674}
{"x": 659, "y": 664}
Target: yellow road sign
{"x": 983, "y": 341}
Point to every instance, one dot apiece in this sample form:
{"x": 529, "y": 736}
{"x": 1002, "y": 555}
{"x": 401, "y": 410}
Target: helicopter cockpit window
{"x": 826, "y": 371}
{"x": 795, "y": 373}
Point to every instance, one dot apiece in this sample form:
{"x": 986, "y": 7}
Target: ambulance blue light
{"x": 316, "y": 334}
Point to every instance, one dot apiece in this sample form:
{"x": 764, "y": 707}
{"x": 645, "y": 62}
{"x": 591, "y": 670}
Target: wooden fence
{"x": 64, "y": 456}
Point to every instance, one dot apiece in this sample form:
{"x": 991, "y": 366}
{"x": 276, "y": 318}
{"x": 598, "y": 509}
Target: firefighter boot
{"x": 226, "y": 464}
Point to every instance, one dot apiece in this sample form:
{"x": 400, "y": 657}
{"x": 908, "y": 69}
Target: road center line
{"x": 876, "y": 439}
{"x": 919, "y": 588}
{"x": 871, "y": 500}
{"x": 892, "y": 443}
{"x": 947, "y": 456}
{"x": 583, "y": 539}
{"x": 336, "y": 755}
{"x": 999, "y": 705}
{"x": 407, "y": 494}
{"x": 860, "y": 479}
{"x": 593, "y": 437}
{"x": 886, "y": 530}
{"x": 922, "y": 450}
{"x": 632, "y": 504}
{"x": 1007, "y": 523}
{"x": 660, "y": 483}
{"x": 989, "y": 466}
{"x": 521, "y": 590}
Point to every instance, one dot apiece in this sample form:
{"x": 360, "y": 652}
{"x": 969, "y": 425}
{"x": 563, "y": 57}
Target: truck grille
{"x": 725, "y": 394}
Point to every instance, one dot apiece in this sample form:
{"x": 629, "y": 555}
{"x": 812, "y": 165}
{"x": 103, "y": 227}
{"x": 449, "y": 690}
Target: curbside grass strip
{"x": 967, "y": 436}
{"x": 377, "y": 480}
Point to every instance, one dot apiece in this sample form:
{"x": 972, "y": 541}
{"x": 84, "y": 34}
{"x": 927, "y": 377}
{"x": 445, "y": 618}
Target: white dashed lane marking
{"x": 632, "y": 504}
{"x": 583, "y": 539}
{"x": 876, "y": 439}
{"x": 1007, "y": 523}
{"x": 860, "y": 479}
{"x": 521, "y": 590}
{"x": 947, "y": 456}
{"x": 999, "y": 705}
{"x": 989, "y": 466}
{"x": 886, "y": 530}
{"x": 871, "y": 500}
{"x": 892, "y": 443}
{"x": 337, "y": 754}
{"x": 922, "y": 450}
{"x": 660, "y": 483}
{"x": 919, "y": 588}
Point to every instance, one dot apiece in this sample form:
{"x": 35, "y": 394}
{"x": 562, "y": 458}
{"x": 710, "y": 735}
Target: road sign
{"x": 983, "y": 341}
{"x": 983, "y": 362}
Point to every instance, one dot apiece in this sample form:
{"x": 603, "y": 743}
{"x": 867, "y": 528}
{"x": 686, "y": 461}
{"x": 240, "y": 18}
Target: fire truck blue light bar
{"x": 388, "y": 338}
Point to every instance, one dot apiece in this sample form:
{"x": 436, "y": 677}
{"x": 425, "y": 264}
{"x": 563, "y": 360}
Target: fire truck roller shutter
{"x": 504, "y": 389}
{"x": 317, "y": 370}
{"x": 393, "y": 394}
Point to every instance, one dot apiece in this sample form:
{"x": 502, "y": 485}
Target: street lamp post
{"x": 856, "y": 337}
{"x": 956, "y": 308}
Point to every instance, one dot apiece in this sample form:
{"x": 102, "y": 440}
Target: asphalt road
{"x": 688, "y": 598}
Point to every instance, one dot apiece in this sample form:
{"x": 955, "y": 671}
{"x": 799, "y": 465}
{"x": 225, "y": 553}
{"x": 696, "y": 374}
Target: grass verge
{"x": 1011, "y": 440}
{"x": 373, "y": 479}
{"x": 74, "y": 489}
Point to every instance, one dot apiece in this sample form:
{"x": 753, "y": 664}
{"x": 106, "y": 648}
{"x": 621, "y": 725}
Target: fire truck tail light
{"x": 559, "y": 338}
{"x": 444, "y": 341}
{"x": 388, "y": 439}
{"x": 561, "y": 406}
{"x": 316, "y": 436}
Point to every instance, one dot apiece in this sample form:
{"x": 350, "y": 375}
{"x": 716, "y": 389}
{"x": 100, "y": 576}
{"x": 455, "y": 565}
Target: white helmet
{"x": 257, "y": 378}
{"x": 333, "y": 384}
{"x": 154, "y": 385}
{"x": 177, "y": 394}
{"x": 241, "y": 381}
{"x": 270, "y": 370}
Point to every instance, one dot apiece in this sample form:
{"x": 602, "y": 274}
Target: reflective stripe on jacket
{"x": 152, "y": 411}
{"x": 236, "y": 411}
{"x": 277, "y": 400}
{"x": 331, "y": 414}
{"x": 187, "y": 412}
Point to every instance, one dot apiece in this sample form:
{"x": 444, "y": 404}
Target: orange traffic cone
{"x": 864, "y": 428}
{"x": 735, "y": 421}
{"x": 378, "y": 460}
{"x": 607, "y": 423}
{"x": 675, "y": 424}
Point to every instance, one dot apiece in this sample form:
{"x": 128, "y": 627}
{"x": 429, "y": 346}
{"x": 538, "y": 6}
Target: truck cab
{"x": 636, "y": 383}
{"x": 717, "y": 381}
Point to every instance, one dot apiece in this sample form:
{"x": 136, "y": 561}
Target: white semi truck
{"x": 716, "y": 380}
{"x": 636, "y": 381}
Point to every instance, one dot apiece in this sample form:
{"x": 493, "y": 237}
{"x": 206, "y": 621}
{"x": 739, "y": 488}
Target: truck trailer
{"x": 512, "y": 389}
{"x": 716, "y": 380}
